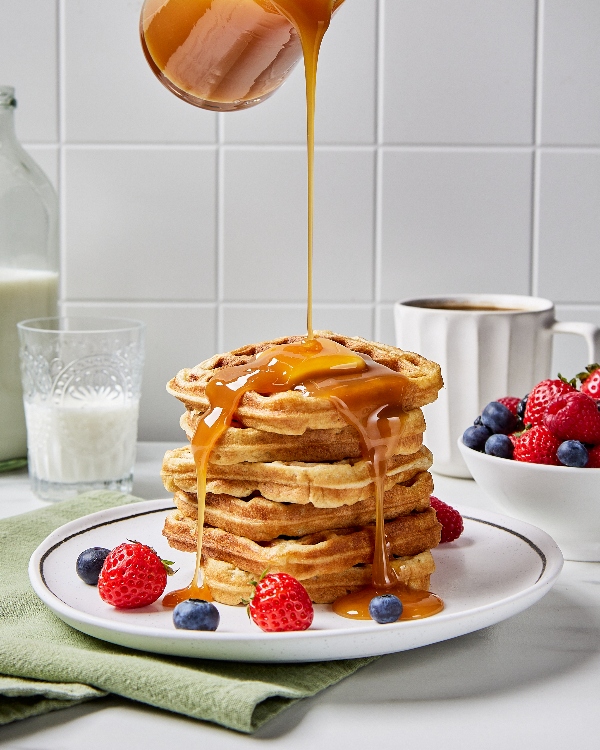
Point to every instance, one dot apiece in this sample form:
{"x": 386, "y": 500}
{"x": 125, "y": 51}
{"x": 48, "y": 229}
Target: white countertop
{"x": 532, "y": 681}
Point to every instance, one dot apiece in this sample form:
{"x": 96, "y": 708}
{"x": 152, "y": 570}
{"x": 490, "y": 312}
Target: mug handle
{"x": 590, "y": 333}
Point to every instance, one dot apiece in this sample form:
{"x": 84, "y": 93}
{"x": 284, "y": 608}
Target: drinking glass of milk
{"x": 81, "y": 379}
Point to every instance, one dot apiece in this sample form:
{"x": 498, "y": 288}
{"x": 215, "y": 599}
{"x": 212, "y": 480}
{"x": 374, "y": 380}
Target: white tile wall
{"x": 569, "y": 215}
{"x": 448, "y": 215}
{"x": 29, "y": 62}
{"x": 459, "y": 72}
{"x": 571, "y": 61}
{"x": 144, "y": 219}
{"x": 458, "y": 149}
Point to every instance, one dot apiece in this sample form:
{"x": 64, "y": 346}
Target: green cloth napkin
{"x": 12, "y": 463}
{"x": 46, "y": 665}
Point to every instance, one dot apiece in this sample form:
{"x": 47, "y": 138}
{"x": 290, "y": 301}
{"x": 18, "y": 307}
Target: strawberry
{"x": 590, "y": 380}
{"x": 450, "y": 518}
{"x": 594, "y": 458}
{"x": 537, "y": 446}
{"x": 511, "y": 403}
{"x": 541, "y": 396}
{"x": 133, "y": 575}
{"x": 574, "y": 416}
{"x": 280, "y": 603}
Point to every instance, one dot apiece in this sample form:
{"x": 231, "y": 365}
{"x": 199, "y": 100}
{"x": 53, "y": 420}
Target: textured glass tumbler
{"x": 81, "y": 388}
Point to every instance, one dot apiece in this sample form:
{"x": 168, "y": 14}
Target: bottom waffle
{"x": 231, "y": 585}
{"x": 307, "y": 556}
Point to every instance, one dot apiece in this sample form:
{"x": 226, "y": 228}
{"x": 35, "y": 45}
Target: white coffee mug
{"x": 488, "y": 346}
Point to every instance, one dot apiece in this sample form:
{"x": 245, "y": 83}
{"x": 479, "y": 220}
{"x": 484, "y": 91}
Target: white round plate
{"x": 497, "y": 568}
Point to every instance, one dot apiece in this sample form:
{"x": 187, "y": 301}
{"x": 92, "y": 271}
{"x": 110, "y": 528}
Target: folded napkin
{"x": 45, "y": 665}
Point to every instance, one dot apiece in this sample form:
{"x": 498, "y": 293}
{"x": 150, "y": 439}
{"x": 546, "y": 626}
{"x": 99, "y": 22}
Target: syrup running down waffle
{"x": 288, "y": 487}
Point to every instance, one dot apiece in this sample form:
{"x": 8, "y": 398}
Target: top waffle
{"x": 292, "y": 412}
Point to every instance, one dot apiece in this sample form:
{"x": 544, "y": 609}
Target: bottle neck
{"x": 7, "y": 124}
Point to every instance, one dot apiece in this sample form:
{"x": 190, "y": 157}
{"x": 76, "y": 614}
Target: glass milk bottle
{"x": 28, "y": 267}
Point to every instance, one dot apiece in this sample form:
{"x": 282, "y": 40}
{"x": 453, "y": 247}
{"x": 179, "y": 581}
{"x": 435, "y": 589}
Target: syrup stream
{"x": 311, "y": 19}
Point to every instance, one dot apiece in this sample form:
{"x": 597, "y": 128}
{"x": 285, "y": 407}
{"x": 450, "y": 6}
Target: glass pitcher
{"x": 28, "y": 268}
{"x": 223, "y": 55}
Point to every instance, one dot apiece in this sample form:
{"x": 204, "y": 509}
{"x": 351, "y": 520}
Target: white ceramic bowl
{"x": 561, "y": 500}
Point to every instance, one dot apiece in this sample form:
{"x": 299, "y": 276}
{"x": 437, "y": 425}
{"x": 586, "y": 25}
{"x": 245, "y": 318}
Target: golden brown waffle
{"x": 231, "y": 585}
{"x": 247, "y": 444}
{"x": 263, "y": 520}
{"x": 307, "y": 556}
{"x": 291, "y": 412}
{"x": 325, "y": 485}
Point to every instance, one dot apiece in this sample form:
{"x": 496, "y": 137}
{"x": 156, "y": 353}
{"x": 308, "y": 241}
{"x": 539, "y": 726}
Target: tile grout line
{"x": 62, "y": 168}
{"x": 536, "y": 172}
{"x": 378, "y": 208}
{"x": 327, "y": 147}
{"x": 266, "y": 304}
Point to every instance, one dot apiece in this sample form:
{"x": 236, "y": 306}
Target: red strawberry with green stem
{"x": 280, "y": 603}
{"x": 590, "y": 380}
{"x": 541, "y": 396}
{"x": 132, "y": 576}
{"x": 537, "y": 446}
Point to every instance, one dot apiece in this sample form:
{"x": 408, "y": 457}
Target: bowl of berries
{"x": 538, "y": 458}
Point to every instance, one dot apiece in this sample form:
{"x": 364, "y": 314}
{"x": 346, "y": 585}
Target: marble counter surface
{"x": 531, "y": 682}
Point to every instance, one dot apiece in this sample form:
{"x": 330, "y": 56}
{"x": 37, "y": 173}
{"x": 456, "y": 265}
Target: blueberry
{"x": 572, "y": 453}
{"x": 500, "y": 446}
{"x": 89, "y": 564}
{"x": 475, "y": 437}
{"x": 477, "y": 420}
{"x": 498, "y": 418}
{"x": 385, "y": 608}
{"x": 521, "y": 407}
{"x": 195, "y": 614}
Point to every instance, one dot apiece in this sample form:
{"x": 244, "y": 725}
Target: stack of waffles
{"x": 288, "y": 490}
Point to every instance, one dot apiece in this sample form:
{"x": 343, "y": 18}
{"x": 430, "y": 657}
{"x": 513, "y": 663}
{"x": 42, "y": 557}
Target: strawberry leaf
{"x": 583, "y": 376}
{"x": 167, "y": 565}
{"x": 572, "y": 382}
